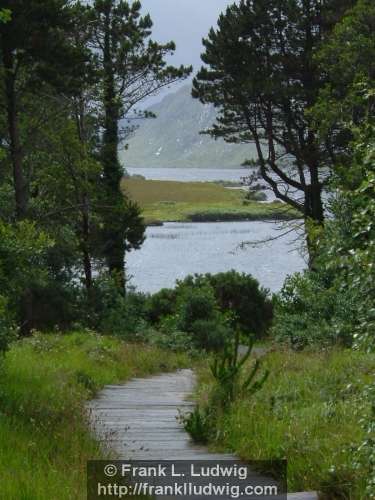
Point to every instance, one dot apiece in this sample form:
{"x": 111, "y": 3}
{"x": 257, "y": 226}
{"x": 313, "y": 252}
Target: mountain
{"x": 173, "y": 140}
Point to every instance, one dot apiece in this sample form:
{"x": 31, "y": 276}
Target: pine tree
{"x": 261, "y": 74}
{"x": 133, "y": 67}
{"x": 35, "y": 55}
{"x": 34, "y": 50}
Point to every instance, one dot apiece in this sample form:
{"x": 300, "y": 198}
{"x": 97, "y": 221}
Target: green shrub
{"x": 197, "y": 313}
{"x": 199, "y": 424}
{"x": 255, "y": 196}
{"x": 160, "y": 304}
{"x": 211, "y": 334}
{"x": 240, "y": 296}
{"x": 7, "y": 332}
{"x": 311, "y": 310}
{"x": 232, "y": 378}
{"x": 364, "y": 456}
{"x": 170, "y": 339}
{"x": 110, "y": 312}
{"x": 211, "y": 306}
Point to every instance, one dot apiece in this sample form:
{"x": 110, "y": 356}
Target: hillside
{"x": 173, "y": 139}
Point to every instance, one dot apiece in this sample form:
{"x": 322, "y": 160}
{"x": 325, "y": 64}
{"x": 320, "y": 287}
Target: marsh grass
{"x": 45, "y": 382}
{"x": 308, "y": 412}
{"x": 171, "y": 201}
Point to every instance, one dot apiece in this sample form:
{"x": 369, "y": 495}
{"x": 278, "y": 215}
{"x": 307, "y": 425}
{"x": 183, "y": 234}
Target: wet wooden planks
{"x": 139, "y": 421}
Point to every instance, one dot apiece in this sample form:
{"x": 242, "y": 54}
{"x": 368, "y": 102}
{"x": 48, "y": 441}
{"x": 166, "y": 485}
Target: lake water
{"x": 175, "y": 250}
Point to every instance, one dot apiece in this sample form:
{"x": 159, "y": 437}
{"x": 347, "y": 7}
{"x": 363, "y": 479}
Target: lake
{"x": 175, "y": 250}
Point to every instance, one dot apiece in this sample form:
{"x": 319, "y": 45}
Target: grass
{"x": 170, "y": 201}
{"x": 45, "y": 381}
{"x": 308, "y": 412}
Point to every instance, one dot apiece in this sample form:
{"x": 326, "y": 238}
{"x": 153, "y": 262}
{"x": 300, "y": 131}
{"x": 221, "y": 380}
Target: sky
{"x": 185, "y": 22}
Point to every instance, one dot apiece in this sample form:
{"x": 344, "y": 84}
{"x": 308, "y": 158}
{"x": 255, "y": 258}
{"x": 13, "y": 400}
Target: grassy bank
{"x": 45, "y": 381}
{"x": 170, "y": 201}
{"x": 307, "y": 412}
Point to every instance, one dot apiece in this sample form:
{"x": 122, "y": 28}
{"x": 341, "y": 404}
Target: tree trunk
{"x": 314, "y": 213}
{"x": 19, "y": 181}
{"x": 114, "y": 247}
{"x": 20, "y": 185}
{"x": 86, "y": 246}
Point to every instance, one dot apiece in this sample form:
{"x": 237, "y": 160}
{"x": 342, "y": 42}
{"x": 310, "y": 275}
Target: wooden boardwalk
{"x": 139, "y": 421}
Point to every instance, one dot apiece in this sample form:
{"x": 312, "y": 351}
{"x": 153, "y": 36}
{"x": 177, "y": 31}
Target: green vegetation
{"x": 64, "y": 88}
{"x": 232, "y": 381}
{"x": 308, "y": 412}
{"x": 212, "y": 309}
{"x": 169, "y": 201}
{"x": 318, "y": 408}
{"x": 45, "y": 440}
{"x": 302, "y": 90}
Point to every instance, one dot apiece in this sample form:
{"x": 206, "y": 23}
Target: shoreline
{"x": 170, "y": 201}
{"x": 201, "y": 219}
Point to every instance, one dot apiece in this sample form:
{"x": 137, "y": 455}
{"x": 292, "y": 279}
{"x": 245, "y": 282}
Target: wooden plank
{"x": 139, "y": 421}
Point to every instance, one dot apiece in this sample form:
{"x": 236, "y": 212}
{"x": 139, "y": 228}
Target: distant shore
{"x": 170, "y": 201}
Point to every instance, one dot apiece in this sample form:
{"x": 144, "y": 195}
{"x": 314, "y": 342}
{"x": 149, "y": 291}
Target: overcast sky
{"x": 185, "y": 22}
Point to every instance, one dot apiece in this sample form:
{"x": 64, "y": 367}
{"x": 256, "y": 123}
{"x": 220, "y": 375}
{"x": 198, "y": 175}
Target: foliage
{"x": 335, "y": 303}
{"x": 364, "y": 456}
{"x": 132, "y": 67}
{"x": 110, "y": 312}
{"x": 228, "y": 372}
{"x": 197, "y": 313}
{"x": 347, "y": 58}
{"x": 212, "y": 307}
{"x": 23, "y": 263}
{"x": 232, "y": 380}
{"x": 261, "y": 75}
{"x": 198, "y": 424}
{"x": 7, "y": 333}
{"x": 307, "y": 311}
{"x": 45, "y": 383}
{"x": 313, "y": 403}
{"x": 60, "y": 122}
{"x": 5, "y": 15}
{"x": 160, "y": 305}
{"x": 241, "y": 297}
{"x": 173, "y": 340}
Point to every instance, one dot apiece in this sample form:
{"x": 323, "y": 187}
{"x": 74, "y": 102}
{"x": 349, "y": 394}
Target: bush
{"x": 173, "y": 340}
{"x": 311, "y": 310}
{"x": 210, "y": 334}
{"x": 240, "y": 296}
{"x": 237, "y": 295}
{"x": 7, "y": 333}
{"x": 197, "y": 313}
{"x": 210, "y": 307}
{"x": 255, "y": 196}
{"x": 199, "y": 424}
{"x": 110, "y": 312}
{"x": 160, "y": 304}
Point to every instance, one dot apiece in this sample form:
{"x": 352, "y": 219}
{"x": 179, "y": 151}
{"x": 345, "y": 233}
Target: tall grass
{"x": 45, "y": 381}
{"x": 308, "y": 412}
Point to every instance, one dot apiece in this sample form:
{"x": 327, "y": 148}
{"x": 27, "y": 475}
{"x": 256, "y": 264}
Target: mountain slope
{"x": 173, "y": 140}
